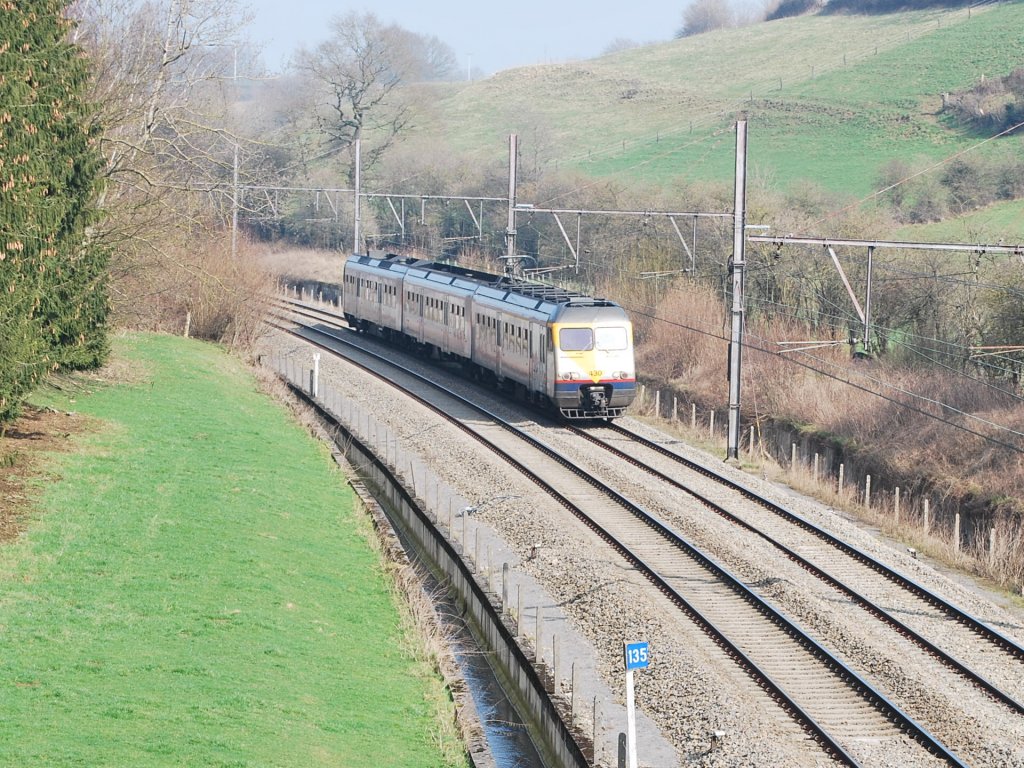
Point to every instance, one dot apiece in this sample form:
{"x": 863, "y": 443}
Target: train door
{"x": 498, "y": 341}
{"x": 550, "y": 363}
{"x": 537, "y": 356}
{"x": 420, "y": 316}
{"x": 414, "y": 314}
{"x": 446, "y": 330}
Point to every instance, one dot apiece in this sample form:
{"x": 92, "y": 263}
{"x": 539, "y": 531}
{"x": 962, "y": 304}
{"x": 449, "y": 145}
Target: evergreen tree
{"x": 53, "y": 300}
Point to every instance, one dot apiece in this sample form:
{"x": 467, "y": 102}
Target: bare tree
{"x": 428, "y": 58}
{"x": 359, "y": 70}
{"x": 165, "y": 79}
{"x": 620, "y": 44}
{"x": 704, "y": 16}
{"x": 156, "y": 67}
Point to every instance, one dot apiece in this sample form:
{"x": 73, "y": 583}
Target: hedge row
{"x": 53, "y": 293}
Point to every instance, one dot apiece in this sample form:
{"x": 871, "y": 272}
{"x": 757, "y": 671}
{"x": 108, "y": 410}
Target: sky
{"x": 486, "y": 36}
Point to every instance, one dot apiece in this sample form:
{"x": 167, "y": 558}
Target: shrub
{"x": 788, "y": 8}
{"x": 220, "y": 297}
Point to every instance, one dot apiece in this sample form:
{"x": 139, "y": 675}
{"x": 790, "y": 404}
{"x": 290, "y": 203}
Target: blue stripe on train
{"x": 572, "y": 386}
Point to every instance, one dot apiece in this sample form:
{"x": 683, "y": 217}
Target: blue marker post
{"x": 635, "y": 656}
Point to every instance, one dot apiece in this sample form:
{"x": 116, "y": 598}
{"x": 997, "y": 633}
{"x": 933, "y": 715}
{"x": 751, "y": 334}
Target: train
{"x": 550, "y": 346}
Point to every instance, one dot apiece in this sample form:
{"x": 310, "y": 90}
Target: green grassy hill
{"x": 830, "y": 99}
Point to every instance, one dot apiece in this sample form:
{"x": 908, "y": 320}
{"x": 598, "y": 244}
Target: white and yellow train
{"x": 552, "y": 346}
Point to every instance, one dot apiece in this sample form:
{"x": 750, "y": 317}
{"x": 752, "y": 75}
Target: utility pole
{"x": 355, "y": 228}
{"x": 510, "y": 230}
{"x": 739, "y": 267}
{"x": 867, "y": 302}
{"x": 234, "y": 167}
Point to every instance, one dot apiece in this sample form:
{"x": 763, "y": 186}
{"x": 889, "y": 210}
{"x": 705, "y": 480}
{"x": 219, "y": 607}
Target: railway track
{"x": 841, "y": 710}
{"x": 912, "y": 610}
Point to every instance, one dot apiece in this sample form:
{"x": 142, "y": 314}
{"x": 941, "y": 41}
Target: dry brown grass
{"x": 284, "y": 260}
{"x": 1001, "y": 564}
{"x": 686, "y": 347}
{"x": 865, "y": 403}
{"x": 24, "y": 445}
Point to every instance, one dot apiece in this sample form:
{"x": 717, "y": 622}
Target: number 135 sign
{"x": 636, "y": 656}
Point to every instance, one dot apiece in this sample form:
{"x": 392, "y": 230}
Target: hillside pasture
{"x": 829, "y": 99}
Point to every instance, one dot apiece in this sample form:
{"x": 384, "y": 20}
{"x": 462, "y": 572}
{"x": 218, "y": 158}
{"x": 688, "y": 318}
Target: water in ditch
{"x": 507, "y": 736}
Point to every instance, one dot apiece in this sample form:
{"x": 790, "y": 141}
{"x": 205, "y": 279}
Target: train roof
{"x": 534, "y": 292}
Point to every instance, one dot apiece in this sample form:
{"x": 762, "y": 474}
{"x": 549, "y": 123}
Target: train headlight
{"x": 572, "y": 376}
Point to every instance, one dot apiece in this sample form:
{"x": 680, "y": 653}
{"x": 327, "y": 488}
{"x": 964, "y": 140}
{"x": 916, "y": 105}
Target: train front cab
{"x": 595, "y": 375}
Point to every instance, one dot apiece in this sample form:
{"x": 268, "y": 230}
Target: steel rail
{"x": 876, "y": 610}
{"x": 976, "y": 625}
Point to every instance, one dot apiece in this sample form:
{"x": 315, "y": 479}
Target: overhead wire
{"x": 651, "y": 313}
{"x": 842, "y": 319}
{"x": 879, "y": 382}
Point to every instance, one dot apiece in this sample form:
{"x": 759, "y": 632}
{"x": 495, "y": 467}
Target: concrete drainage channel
{"x": 512, "y": 675}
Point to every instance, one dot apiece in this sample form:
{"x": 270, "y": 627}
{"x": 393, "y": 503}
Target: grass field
{"x": 986, "y": 225}
{"x": 194, "y": 588}
{"x": 830, "y": 100}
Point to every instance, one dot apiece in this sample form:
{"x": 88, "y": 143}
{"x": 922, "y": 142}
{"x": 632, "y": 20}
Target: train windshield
{"x": 575, "y": 339}
{"x": 611, "y": 339}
